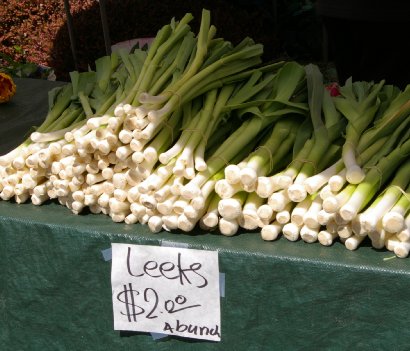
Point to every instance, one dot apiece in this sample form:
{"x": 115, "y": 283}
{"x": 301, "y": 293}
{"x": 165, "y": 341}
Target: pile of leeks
{"x": 196, "y": 131}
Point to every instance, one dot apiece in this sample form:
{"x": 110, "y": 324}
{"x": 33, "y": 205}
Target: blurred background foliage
{"x": 34, "y": 40}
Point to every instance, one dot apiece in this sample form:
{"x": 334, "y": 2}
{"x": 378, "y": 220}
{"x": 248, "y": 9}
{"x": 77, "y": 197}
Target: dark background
{"x": 36, "y": 31}
{"x": 365, "y": 39}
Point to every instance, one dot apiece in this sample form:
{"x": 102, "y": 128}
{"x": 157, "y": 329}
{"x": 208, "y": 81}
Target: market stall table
{"x": 55, "y": 291}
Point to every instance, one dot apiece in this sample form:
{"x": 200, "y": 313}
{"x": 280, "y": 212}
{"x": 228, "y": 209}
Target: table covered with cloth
{"x": 55, "y": 288}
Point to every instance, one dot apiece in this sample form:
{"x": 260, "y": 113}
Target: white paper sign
{"x": 166, "y": 290}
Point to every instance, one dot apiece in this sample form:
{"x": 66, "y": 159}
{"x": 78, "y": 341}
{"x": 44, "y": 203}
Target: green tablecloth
{"x": 55, "y": 291}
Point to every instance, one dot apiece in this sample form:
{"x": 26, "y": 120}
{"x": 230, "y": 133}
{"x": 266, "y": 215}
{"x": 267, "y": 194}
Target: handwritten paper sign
{"x": 166, "y": 290}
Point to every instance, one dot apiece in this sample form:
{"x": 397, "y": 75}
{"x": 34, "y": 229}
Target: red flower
{"x": 333, "y": 88}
